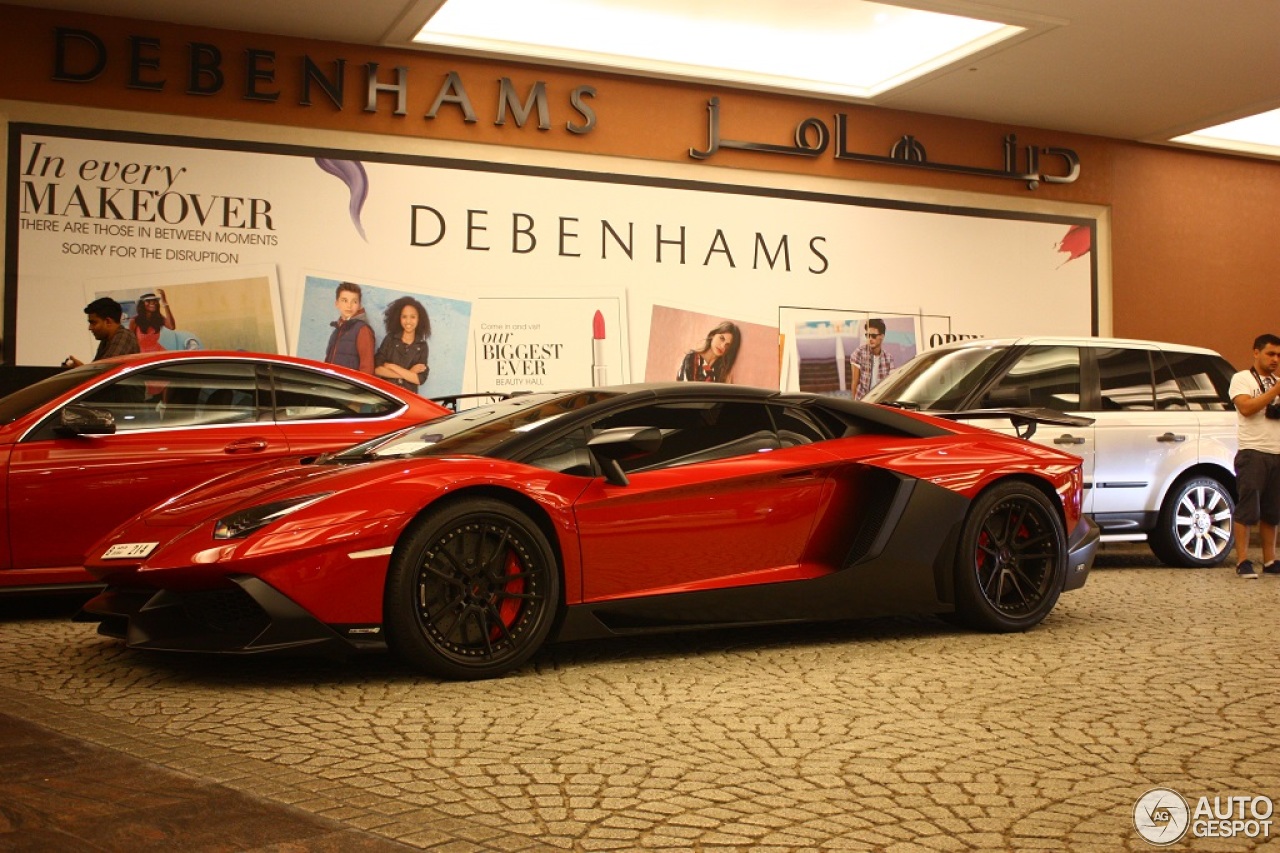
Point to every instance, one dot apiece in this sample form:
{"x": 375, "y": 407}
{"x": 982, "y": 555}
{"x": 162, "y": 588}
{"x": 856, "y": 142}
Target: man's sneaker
{"x": 1247, "y": 571}
{"x": 1272, "y": 568}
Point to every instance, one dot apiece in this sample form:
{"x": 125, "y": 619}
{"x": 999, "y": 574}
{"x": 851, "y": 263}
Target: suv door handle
{"x": 1068, "y": 438}
{"x": 1168, "y": 436}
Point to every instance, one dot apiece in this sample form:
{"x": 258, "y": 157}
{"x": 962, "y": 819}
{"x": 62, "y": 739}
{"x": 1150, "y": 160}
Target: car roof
{"x": 1068, "y": 340}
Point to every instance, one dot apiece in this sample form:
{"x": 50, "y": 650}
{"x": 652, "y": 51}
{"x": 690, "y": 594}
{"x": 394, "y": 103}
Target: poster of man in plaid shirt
{"x": 869, "y": 363}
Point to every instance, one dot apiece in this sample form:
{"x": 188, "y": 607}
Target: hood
{"x": 217, "y": 498}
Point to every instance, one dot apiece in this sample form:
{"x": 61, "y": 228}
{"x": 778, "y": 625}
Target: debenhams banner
{"x": 523, "y": 278}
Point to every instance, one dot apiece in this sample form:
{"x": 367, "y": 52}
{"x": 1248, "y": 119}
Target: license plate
{"x": 129, "y": 550}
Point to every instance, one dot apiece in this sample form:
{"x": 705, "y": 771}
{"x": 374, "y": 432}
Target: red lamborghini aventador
{"x": 466, "y": 543}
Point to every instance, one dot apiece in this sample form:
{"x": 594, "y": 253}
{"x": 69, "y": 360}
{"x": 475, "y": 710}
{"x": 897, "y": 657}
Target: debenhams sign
{"x": 80, "y": 56}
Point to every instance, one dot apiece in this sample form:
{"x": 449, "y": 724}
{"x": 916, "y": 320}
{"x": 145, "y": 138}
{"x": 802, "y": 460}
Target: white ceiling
{"x": 1143, "y": 70}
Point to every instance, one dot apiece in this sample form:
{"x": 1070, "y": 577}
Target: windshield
{"x": 34, "y": 396}
{"x": 940, "y": 380}
{"x": 475, "y": 431}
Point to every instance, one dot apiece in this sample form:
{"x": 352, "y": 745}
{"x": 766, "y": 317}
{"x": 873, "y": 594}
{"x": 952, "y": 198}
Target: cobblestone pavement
{"x": 889, "y": 734}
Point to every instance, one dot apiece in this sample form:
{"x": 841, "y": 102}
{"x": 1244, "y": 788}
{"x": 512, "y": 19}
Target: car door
{"x": 177, "y": 425}
{"x": 1145, "y": 433}
{"x": 723, "y": 501}
{"x": 1050, "y": 377}
{"x": 320, "y": 411}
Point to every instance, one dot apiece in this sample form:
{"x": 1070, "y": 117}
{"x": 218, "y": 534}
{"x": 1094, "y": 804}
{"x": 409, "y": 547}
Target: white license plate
{"x": 129, "y": 550}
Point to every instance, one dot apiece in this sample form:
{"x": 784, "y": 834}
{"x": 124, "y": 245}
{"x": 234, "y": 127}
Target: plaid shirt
{"x": 122, "y": 342}
{"x": 870, "y": 369}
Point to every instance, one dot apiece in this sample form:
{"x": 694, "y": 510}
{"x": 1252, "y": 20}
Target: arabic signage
{"x": 813, "y": 138}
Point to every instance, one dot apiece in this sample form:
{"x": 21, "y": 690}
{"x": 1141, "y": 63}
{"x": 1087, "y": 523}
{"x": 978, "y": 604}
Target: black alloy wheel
{"x": 1012, "y": 560}
{"x": 472, "y": 591}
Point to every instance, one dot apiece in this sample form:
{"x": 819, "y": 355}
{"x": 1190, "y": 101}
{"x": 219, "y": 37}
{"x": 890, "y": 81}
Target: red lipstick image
{"x": 599, "y": 372}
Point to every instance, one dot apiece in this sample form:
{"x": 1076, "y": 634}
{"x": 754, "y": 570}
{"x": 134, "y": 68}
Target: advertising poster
{"x": 527, "y": 277}
{"x": 439, "y": 328}
{"x": 691, "y": 346}
{"x": 199, "y": 312}
{"x": 820, "y": 345}
{"x": 549, "y": 343}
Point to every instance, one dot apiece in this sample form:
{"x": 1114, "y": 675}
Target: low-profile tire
{"x": 1012, "y": 559}
{"x": 472, "y": 590}
{"x": 1194, "y": 529}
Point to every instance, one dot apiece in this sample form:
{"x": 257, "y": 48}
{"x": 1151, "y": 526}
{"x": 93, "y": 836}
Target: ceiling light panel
{"x": 846, "y": 47}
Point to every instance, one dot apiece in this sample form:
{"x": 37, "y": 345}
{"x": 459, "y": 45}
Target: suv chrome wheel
{"x": 1194, "y": 529}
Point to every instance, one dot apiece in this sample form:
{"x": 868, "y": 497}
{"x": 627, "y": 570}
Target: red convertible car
{"x": 88, "y": 448}
{"x": 466, "y": 543}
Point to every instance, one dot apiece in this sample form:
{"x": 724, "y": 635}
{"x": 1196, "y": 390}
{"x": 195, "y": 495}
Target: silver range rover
{"x": 1158, "y": 459}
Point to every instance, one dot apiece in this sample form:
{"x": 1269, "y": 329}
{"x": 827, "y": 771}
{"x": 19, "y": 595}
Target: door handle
{"x": 246, "y": 445}
{"x": 1168, "y": 436}
{"x": 1068, "y": 438}
{"x": 798, "y": 475}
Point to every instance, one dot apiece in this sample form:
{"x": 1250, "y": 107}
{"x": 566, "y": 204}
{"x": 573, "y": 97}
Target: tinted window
{"x": 479, "y": 431}
{"x": 1124, "y": 378}
{"x": 305, "y": 395}
{"x": 697, "y": 432}
{"x": 202, "y": 393}
{"x": 567, "y": 454}
{"x": 1168, "y": 394}
{"x": 942, "y": 380}
{"x": 1042, "y": 377}
{"x": 28, "y": 399}
{"x": 795, "y": 427}
{"x": 1204, "y": 379}
{"x": 177, "y": 395}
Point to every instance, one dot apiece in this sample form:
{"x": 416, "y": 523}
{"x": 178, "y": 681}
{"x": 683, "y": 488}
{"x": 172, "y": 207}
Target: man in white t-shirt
{"x": 1256, "y": 395}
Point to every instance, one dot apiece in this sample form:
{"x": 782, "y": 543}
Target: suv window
{"x": 940, "y": 380}
{"x": 1124, "y": 379}
{"x": 1204, "y": 380}
{"x": 1042, "y": 377}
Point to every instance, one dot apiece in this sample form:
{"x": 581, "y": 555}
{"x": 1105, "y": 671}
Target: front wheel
{"x": 1012, "y": 559}
{"x": 472, "y": 590}
{"x": 1194, "y": 527}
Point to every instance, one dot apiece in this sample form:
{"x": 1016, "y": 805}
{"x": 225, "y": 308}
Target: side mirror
{"x": 613, "y": 445}
{"x": 82, "y": 420}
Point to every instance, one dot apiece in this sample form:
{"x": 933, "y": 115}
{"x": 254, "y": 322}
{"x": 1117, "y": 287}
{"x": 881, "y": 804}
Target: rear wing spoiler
{"x": 1024, "y": 421}
{"x": 458, "y": 402}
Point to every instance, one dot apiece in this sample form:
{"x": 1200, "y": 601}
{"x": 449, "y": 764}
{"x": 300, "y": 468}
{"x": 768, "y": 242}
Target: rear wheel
{"x": 472, "y": 590}
{"x": 1194, "y": 528}
{"x": 1012, "y": 559}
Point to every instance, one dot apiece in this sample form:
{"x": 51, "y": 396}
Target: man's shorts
{"x": 1258, "y": 482}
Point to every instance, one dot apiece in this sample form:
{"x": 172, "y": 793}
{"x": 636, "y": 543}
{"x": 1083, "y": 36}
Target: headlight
{"x": 240, "y": 524}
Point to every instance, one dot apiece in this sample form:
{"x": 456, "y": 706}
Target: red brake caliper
{"x": 509, "y": 610}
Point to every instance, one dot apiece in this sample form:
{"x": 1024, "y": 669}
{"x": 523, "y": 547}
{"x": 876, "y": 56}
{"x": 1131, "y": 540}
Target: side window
{"x": 304, "y": 395}
{"x": 1205, "y": 380}
{"x": 180, "y": 395}
{"x": 1124, "y": 378}
{"x": 1042, "y": 377}
{"x": 567, "y": 454}
{"x": 1168, "y": 393}
{"x": 697, "y": 432}
{"x": 795, "y": 427}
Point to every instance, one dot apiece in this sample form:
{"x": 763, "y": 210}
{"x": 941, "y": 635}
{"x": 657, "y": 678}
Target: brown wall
{"x": 1193, "y": 234}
